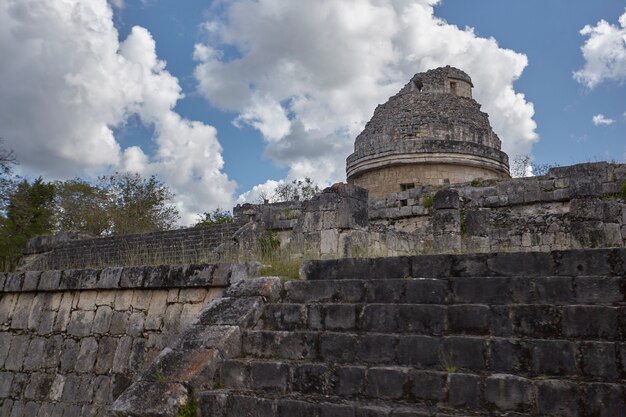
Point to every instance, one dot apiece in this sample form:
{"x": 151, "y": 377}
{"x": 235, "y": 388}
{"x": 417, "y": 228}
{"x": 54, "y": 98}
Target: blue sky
{"x": 224, "y": 99}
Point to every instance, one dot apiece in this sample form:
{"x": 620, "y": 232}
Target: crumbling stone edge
{"x": 191, "y": 363}
{"x": 134, "y": 277}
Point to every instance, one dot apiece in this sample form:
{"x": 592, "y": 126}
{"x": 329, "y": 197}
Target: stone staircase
{"x": 519, "y": 334}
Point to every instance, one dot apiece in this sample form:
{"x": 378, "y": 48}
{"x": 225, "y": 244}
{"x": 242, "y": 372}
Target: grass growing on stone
{"x": 427, "y": 200}
{"x": 288, "y": 269}
{"x": 622, "y": 192}
{"x": 189, "y": 408}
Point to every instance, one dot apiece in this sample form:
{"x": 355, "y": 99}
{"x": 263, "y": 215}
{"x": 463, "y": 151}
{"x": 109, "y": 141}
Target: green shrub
{"x": 427, "y": 200}
{"x": 622, "y": 192}
{"x": 476, "y": 182}
{"x": 189, "y": 408}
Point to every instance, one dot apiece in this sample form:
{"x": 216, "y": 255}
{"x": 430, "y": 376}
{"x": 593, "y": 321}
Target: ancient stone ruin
{"x": 469, "y": 297}
{"x": 431, "y": 133}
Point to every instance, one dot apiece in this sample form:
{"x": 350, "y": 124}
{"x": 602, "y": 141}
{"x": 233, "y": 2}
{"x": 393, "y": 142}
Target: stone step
{"x": 399, "y": 392}
{"x": 591, "y": 361}
{"x": 579, "y": 322}
{"x": 227, "y": 403}
{"x": 558, "y": 290}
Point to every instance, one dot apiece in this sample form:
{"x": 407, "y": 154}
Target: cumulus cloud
{"x": 604, "y": 53}
{"x": 602, "y": 120}
{"x": 322, "y": 66}
{"x": 66, "y": 82}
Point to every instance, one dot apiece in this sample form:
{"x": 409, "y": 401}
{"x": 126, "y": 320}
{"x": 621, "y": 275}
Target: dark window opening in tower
{"x": 453, "y": 87}
{"x": 418, "y": 84}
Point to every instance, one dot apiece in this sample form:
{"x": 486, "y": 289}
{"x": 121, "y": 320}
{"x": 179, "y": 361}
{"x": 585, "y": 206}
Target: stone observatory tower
{"x": 431, "y": 132}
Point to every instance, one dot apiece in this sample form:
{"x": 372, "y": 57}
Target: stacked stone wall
{"x": 189, "y": 245}
{"x": 514, "y": 334}
{"x": 571, "y": 207}
{"x": 72, "y": 341}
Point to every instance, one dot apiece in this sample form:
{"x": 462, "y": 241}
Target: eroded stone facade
{"x": 432, "y": 121}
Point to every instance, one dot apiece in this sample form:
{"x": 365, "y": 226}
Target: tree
{"x": 81, "y": 207}
{"x": 217, "y": 216}
{"x": 296, "y": 190}
{"x": 138, "y": 205}
{"x": 29, "y": 213}
{"x": 7, "y": 181}
{"x": 522, "y": 166}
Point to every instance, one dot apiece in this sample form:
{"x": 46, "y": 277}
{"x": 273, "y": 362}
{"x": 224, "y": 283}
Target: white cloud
{"x": 259, "y": 192}
{"x": 325, "y": 65}
{"x": 66, "y": 81}
{"x": 604, "y": 53}
{"x": 600, "y": 119}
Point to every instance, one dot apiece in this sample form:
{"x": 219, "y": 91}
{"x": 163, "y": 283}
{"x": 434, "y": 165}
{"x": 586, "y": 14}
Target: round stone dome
{"x": 431, "y": 132}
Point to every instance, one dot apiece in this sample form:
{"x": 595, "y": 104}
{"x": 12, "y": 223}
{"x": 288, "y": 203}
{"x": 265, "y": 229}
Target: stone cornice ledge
{"x": 193, "y": 360}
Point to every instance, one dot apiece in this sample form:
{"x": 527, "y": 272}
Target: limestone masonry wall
{"x": 511, "y": 334}
{"x": 173, "y": 247}
{"x": 72, "y": 341}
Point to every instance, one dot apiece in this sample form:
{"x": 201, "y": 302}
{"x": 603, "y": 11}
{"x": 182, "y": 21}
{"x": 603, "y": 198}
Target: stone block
{"x": 105, "y": 356}
{"x": 469, "y": 319}
{"x": 591, "y": 322}
{"x": 464, "y": 390}
{"x": 384, "y": 291}
{"x": 599, "y": 359}
{"x": 38, "y": 387}
{"x": 385, "y": 383}
{"x": 587, "y": 209}
{"x": 508, "y": 392}
{"x": 309, "y": 378}
{"x": 558, "y": 398}
{"x": 14, "y": 281}
{"x": 464, "y": 352}
{"x": 379, "y": 318}
{"x": 86, "y": 355}
{"x": 268, "y": 288}
{"x": 71, "y": 279}
{"x": 288, "y": 408}
{"x": 337, "y": 347}
{"x": 376, "y": 348}
{"x": 553, "y": 357}
{"x": 426, "y": 291}
{"x": 17, "y": 352}
{"x": 80, "y": 323}
{"x": 31, "y": 280}
{"x": 112, "y": 277}
{"x": 249, "y": 406}
{"x": 234, "y": 374}
{"x": 35, "y": 354}
{"x": 349, "y": 381}
{"x": 492, "y": 290}
{"x": 286, "y": 316}
{"x": 428, "y": 385}
{"x": 507, "y": 355}
{"x": 446, "y": 199}
{"x": 339, "y": 317}
{"x": 421, "y": 351}
{"x": 335, "y": 410}
{"x": 598, "y": 290}
{"x": 422, "y": 319}
{"x": 6, "y": 379}
{"x": 231, "y": 311}
{"x": 604, "y": 400}
{"x": 130, "y": 277}
{"x": 536, "y": 321}
{"x": 352, "y": 291}
{"x": 519, "y": 264}
{"x": 153, "y": 399}
{"x": 269, "y": 376}
{"x": 554, "y": 290}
